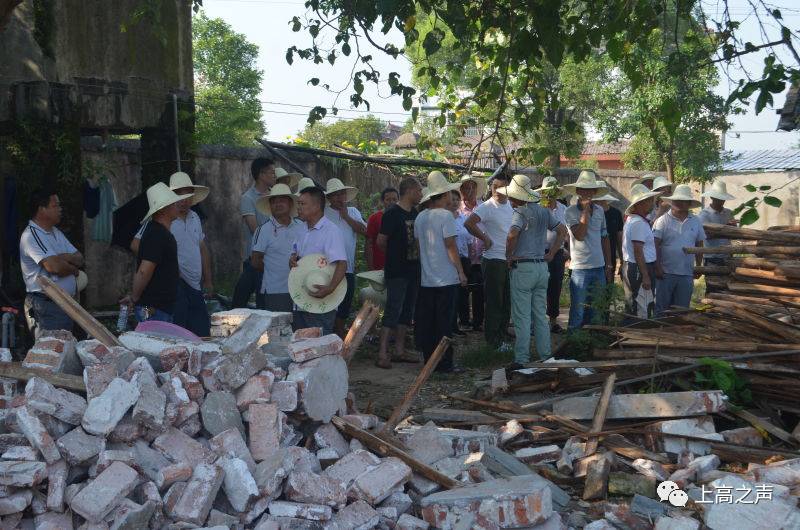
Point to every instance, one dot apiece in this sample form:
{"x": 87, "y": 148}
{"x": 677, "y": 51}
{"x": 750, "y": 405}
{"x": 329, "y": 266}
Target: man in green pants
{"x": 527, "y": 264}
{"x": 490, "y": 222}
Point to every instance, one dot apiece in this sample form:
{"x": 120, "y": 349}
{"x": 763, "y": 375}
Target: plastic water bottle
{"x": 122, "y": 319}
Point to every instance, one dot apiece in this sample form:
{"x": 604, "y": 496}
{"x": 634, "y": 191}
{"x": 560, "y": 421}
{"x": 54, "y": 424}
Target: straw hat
{"x": 586, "y": 181}
{"x": 607, "y": 197}
{"x": 520, "y": 189}
{"x": 438, "y": 184}
{"x": 159, "y": 196}
{"x": 304, "y": 183}
{"x": 718, "y": 191}
{"x": 283, "y": 175}
{"x": 661, "y": 182}
{"x": 639, "y": 193}
{"x": 480, "y": 180}
{"x": 81, "y": 281}
{"x": 549, "y": 184}
{"x": 278, "y": 190}
{"x": 182, "y": 180}
{"x": 312, "y": 270}
{"x": 375, "y": 279}
{"x": 334, "y": 185}
{"x": 643, "y": 178}
{"x": 683, "y": 193}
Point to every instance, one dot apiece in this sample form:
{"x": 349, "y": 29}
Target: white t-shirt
{"x": 638, "y": 229}
{"x": 463, "y": 237}
{"x": 496, "y": 222}
{"x": 348, "y": 235}
{"x": 188, "y": 234}
{"x": 35, "y": 245}
{"x": 558, "y": 213}
{"x": 431, "y": 228}
{"x": 275, "y": 241}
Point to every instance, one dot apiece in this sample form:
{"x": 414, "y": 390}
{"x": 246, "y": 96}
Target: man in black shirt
{"x": 156, "y": 279}
{"x": 401, "y": 270}
{"x": 614, "y": 224}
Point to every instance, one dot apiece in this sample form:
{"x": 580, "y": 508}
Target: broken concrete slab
{"x": 179, "y": 447}
{"x": 305, "y": 487}
{"x": 284, "y": 394}
{"x": 104, "y": 412}
{"x": 312, "y": 512}
{"x": 323, "y": 385}
{"x": 53, "y": 521}
{"x": 21, "y": 452}
{"x": 235, "y": 369}
{"x": 501, "y": 503}
{"x": 198, "y": 496}
{"x": 357, "y": 516}
{"x": 351, "y": 466}
{"x": 44, "y": 397}
{"x": 15, "y": 502}
{"x": 220, "y": 413}
{"x": 78, "y": 447}
{"x": 238, "y": 484}
{"x": 312, "y": 348}
{"x": 37, "y": 435}
{"x": 776, "y": 512}
{"x": 463, "y": 442}
{"x": 104, "y": 493}
{"x": 231, "y": 443}
{"x": 252, "y": 333}
{"x": 22, "y": 474}
{"x": 428, "y": 445}
{"x": 379, "y": 482}
{"x": 265, "y": 430}
{"x": 634, "y": 406}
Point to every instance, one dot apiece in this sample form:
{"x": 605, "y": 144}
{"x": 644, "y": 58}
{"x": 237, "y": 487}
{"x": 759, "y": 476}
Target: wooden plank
{"x": 600, "y": 414}
{"x": 66, "y": 381}
{"x": 77, "y": 313}
{"x": 718, "y": 231}
{"x": 738, "y": 287}
{"x": 385, "y": 448}
{"x": 744, "y": 249}
{"x": 402, "y": 408}
{"x": 755, "y": 421}
{"x": 591, "y": 364}
{"x": 438, "y": 415}
{"x": 363, "y": 322}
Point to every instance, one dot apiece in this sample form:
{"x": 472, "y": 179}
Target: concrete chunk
{"x": 16, "y": 502}
{"x": 255, "y": 390}
{"x": 22, "y": 474}
{"x": 265, "y": 430}
{"x": 352, "y": 466}
{"x": 93, "y": 352}
{"x": 677, "y": 523}
{"x": 328, "y": 436}
{"x": 702, "y": 427}
{"x": 358, "y": 516}
{"x": 239, "y": 485}
{"x": 235, "y": 369}
{"x": 149, "y": 410}
{"x": 53, "y": 521}
{"x": 44, "y": 397}
{"x": 180, "y": 447}
{"x": 21, "y": 452}
{"x": 409, "y": 522}
{"x": 79, "y": 447}
{"x": 632, "y": 406}
{"x": 323, "y": 385}
{"x": 312, "y": 512}
{"x": 198, "y": 495}
{"x": 539, "y": 455}
{"x": 630, "y": 484}
{"x": 132, "y": 516}
{"x": 231, "y": 443}
{"x": 37, "y": 435}
{"x": 313, "y": 348}
{"x": 428, "y": 445}
{"x": 248, "y": 335}
{"x": 310, "y": 488}
{"x": 104, "y": 493}
{"x": 220, "y": 413}
{"x": 284, "y": 395}
{"x": 377, "y": 483}
{"x": 105, "y": 411}
{"x": 502, "y": 503}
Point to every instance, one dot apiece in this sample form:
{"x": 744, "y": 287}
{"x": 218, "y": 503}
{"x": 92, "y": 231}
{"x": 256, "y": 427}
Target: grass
{"x": 699, "y": 292}
{"x": 482, "y": 355}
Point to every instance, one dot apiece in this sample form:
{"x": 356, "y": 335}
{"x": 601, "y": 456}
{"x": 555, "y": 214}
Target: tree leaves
{"x": 749, "y": 217}
{"x": 433, "y": 41}
{"x": 773, "y": 201}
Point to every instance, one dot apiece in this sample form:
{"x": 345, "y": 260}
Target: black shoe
{"x": 556, "y": 328}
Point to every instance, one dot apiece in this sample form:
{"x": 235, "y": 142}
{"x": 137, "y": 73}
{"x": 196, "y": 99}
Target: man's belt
{"x": 531, "y": 260}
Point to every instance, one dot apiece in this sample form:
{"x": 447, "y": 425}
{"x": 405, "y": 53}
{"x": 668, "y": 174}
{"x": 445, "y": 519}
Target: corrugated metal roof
{"x": 764, "y": 159}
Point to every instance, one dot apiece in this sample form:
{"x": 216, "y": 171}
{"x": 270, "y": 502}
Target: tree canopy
{"x": 364, "y": 133}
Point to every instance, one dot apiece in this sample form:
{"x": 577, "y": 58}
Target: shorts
{"x": 401, "y": 299}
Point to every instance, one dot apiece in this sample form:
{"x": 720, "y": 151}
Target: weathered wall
{"x": 789, "y": 211}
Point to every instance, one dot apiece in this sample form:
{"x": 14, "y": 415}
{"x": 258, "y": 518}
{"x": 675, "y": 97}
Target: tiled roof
{"x": 780, "y": 159}
{"x": 597, "y": 148}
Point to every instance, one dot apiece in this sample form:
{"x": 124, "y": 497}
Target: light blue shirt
{"x": 431, "y": 229}
{"x": 710, "y": 215}
{"x": 275, "y": 241}
{"x": 586, "y": 254}
{"x": 463, "y": 237}
{"x": 675, "y": 235}
{"x": 348, "y": 234}
{"x": 533, "y": 221}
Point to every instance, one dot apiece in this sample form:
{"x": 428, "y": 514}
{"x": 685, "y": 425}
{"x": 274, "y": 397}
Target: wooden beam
{"x": 363, "y": 322}
{"x": 600, "y": 414}
{"x": 66, "y": 381}
{"x": 714, "y": 231}
{"x": 758, "y": 250}
{"x": 757, "y": 422}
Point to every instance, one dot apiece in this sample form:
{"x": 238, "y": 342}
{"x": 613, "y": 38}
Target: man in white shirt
{"x": 490, "y": 222}
{"x": 263, "y": 173}
{"x": 639, "y": 252}
{"x": 352, "y": 225}
{"x": 272, "y": 246}
{"x": 435, "y": 230}
{"x": 674, "y": 231}
{"x": 45, "y": 251}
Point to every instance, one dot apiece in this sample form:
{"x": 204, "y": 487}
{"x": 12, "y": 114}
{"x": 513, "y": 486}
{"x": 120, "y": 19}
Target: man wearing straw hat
{"x": 490, "y": 223}
{"x": 527, "y": 263}
{"x": 45, "y": 251}
{"x": 435, "y": 230}
{"x": 272, "y": 246}
{"x": 716, "y": 213}
{"x": 402, "y": 270}
{"x": 473, "y": 188}
{"x": 263, "y": 173}
{"x": 318, "y": 236}
{"x": 550, "y": 192}
{"x": 660, "y": 206}
{"x": 351, "y": 224}
{"x": 674, "y": 231}
{"x": 194, "y": 259}
{"x": 590, "y": 251}
{"x": 639, "y": 252}
{"x": 284, "y": 177}
{"x": 154, "y": 290}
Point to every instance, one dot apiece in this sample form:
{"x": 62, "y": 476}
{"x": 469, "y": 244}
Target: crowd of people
{"x": 456, "y": 257}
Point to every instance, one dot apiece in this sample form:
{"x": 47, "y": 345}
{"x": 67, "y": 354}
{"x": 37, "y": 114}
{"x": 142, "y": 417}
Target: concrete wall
{"x": 789, "y": 194}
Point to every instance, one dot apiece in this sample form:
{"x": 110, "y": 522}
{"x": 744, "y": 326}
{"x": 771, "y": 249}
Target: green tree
{"x": 227, "y": 84}
{"x": 362, "y": 133}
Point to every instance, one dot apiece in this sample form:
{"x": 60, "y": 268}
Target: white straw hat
{"x": 334, "y": 185}
{"x": 290, "y": 179}
{"x": 81, "y": 281}
{"x": 159, "y": 196}
{"x": 182, "y": 180}
{"x": 639, "y": 193}
{"x": 549, "y": 184}
{"x": 438, "y": 184}
{"x": 643, "y": 178}
{"x": 520, "y": 189}
{"x": 607, "y": 197}
{"x": 278, "y": 190}
{"x": 662, "y": 182}
{"x": 719, "y": 191}
{"x": 375, "y": 279}
{"x": 586, "y": 181}
{"x": 683, "y": 193}
{"x": 312, "y": 270}
{"x": 480, "y": 180}
{"x": 304, "y": 183}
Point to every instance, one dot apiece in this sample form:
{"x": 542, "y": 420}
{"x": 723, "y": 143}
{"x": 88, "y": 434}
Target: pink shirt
{"x": 475, "y": 245}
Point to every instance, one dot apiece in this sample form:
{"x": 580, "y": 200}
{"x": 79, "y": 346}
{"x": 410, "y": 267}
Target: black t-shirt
{"x": 402, "y": 253}
{"x": 614, "y": 224}
{"x": 158, "y": 245}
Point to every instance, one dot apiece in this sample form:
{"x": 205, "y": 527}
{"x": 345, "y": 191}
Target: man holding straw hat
{"x": 674, "y": 231}
{"x": 473, "y": 188}
{"x": 272, "y": 246}
{"x": 550, "y": 192}
{"x": 435, "y": 230}
{"x": 351, "y": 224}
{"x": 317, "y": 265}
{"x": 639, "y": 252}
{"x": 589, "y": 248}
{"x": 527, "y": 263}
{"x": 154, "y": 289}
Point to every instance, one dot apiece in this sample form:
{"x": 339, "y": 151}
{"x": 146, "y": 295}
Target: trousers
{"x": 555, "y": 283}
{"x": 249, "y": 283}
{"x": 190, "y": 310}
{"x": 434, "y": 320}
{"x": 673, "y": 290}
{"x": 498, "y": 300}
{"x": 528, "y": 301}
{"x": 581, "y": 284}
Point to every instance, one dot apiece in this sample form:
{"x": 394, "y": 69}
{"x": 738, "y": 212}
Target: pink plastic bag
{"x": 168, "y": 329}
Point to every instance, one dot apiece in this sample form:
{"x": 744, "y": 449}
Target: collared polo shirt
{"x": 586, "y": 254}
{"x": 348, "y": 235}
{"x": 35, "y": 245}
{"x": 275, "y": 241}
{"x": 675, "y": 235}
{"x": 188, "y": 235}
{"x": 247, "y": 206}
{"x": 710, "y": 215}
{"x": 533, "y": 222}
{"x": 324, "y": 238}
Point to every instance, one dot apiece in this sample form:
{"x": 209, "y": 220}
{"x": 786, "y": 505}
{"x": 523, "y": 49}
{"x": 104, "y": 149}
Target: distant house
{"x": 790, "y": 113}
{"x": 608, "y": 156}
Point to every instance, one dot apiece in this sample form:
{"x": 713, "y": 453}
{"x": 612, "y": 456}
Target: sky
{"x": 287, "y": 97}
